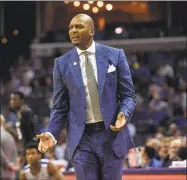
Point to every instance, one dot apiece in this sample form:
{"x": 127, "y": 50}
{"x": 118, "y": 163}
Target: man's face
{"x": 32, "y": 155}
{"x": 174, "y": 146}
{"x": 15, "y": 101}
{"x": 165, "y": 146}
{"x": 80, "y": 32}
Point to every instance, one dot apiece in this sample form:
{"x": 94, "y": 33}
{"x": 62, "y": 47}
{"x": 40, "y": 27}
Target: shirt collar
{"x": 91, "y": 49}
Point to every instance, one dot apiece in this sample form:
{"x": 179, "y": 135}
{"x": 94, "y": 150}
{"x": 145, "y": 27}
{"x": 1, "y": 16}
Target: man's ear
{"x": 92, "y": 32}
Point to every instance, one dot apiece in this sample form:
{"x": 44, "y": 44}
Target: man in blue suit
{"x": 93, "y": 90}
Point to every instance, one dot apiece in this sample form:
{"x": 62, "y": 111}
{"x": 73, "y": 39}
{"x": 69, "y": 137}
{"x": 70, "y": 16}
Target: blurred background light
{"x": 76, "y": 3}
{"x": 66, "y": 1}
{"x": 109, "y": 7}
{"x": 86, "y": 6}
{"x": 90, "y": 2}
{"x": 143, "y": 5}
{"x": 95, "y": 10}
{"x": 100, "y": 4}
{"x": 118, "y": 30}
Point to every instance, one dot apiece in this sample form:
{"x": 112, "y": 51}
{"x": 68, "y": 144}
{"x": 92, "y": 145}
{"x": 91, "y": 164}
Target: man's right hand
{"x": 46, "y": 142}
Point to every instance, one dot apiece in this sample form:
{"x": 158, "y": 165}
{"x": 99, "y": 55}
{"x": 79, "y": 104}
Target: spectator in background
{"x": 26, "y": 89}
{"x": 166, "y": 70}
{"x": 173, "y": 130}
{"x": 181, "y": 159}
{"x": 166, "y": 92}
{"x": 184, "y": 141}
{"x": 37, "y": 168}
{"x": 155, "y": 144}
{"x": 8, "y": 153}
{"x": 153, "y": 89}
{"x": 163, "y": 151}
{"x": 148, "y": 158}
{"x": 28, "y": 74}
{"x": 44, "y": 125}
{"x": 26, "y": 120}
{"x": 139, "y": 102}
{"x": 60, "y": 148}
{"x": 182, "y": 153}
{"x": 156, "y": 104}
{"x": 15, "y": 82}
{"x": 175, "y": 145}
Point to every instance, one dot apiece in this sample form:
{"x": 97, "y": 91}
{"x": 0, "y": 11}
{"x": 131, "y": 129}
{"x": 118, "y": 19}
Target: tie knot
{"x": 85, "y": 53}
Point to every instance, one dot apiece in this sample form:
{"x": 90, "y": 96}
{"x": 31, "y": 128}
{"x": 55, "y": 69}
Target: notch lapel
{"x": 74, "y": 65}
{"x": 102, "y": 66}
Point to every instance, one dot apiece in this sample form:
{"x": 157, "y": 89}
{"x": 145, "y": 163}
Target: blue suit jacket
{"x": 116, "y": 93}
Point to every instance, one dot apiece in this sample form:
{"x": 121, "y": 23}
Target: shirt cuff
{"x": 55, "y": 141}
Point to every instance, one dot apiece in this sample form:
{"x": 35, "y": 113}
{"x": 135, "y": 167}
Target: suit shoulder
{"x": 64, "y": 57}
{"x": 27, "y": 110}
{"x": 113, "y": 49}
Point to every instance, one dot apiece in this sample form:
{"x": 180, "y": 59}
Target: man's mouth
{"x": 75, "y": 38}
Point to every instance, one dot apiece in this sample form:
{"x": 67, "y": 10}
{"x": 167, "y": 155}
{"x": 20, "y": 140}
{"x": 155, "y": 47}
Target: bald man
{"x": 93, "y": 91}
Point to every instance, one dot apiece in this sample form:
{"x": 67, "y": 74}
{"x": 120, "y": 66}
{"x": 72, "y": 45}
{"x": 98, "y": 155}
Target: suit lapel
{"x": 74, "y": 65}
{"x": 102, "y": 66}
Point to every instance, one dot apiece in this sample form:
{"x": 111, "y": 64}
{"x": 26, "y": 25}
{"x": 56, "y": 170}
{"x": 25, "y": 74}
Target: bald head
{"x": 81, "y": 31}
{"x": 87, "y": 19}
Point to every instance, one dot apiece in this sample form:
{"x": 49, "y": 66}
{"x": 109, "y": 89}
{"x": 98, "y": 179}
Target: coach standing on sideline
{"x": 93, "y": 90}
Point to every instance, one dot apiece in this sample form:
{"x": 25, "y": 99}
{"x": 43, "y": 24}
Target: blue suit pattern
{"x": 116, "y": 94}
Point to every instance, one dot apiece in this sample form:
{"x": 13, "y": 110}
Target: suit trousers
{"x": 94, "y": 158}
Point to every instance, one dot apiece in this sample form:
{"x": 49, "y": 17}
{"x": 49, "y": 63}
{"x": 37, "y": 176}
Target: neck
{"x": 86, "y": 46}
{"x": 18, "y": 108}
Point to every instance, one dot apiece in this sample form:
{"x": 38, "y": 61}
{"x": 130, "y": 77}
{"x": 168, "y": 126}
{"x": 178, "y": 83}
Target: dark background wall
{"x": 21, "y": 16}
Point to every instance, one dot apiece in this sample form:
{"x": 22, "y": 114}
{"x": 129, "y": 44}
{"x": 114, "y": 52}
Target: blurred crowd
{"x": 120, "y": 31}
{"x": 157, "y": 126}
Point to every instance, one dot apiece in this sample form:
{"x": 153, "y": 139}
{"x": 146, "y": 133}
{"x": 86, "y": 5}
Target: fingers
{"x": 40, "y": 148}
{"x": 44, "y": 149}
{"x": 40, "y": 135}
{"x": 114, "y": 128}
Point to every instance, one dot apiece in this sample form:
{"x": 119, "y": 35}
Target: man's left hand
{"x": 120, "y": 123}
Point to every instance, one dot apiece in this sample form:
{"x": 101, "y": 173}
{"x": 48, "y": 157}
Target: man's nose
{"x": 74, "y": 29}
{"x": 30, "y": 156}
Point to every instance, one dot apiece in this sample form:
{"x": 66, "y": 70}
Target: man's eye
{"x": 79, "y": 27}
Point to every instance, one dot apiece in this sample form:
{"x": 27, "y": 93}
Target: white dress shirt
{"x": 92, "y": 57}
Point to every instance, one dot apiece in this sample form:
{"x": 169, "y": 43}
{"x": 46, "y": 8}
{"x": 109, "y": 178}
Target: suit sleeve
{"x": 126, "y": 90}
{"x": 60, "y": 108}
{"x": 4, "y": 160}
